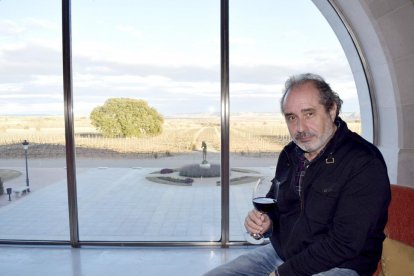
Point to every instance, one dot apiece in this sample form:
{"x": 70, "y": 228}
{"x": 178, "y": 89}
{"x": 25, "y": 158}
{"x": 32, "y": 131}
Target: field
{"x": 249, "y": 135}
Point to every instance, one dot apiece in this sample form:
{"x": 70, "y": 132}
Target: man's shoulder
{"x": 353, "y": 141}
{"x": 357, "y": 145}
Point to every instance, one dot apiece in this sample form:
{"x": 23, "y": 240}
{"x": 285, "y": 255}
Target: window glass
{"x": 267, "y": 45}
{"x": 33, "y": 187}
{"x": 147, "y": 95}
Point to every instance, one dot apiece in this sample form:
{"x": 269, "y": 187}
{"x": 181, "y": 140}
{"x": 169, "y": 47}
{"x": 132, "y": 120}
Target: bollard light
{"x": 9, "y": 191}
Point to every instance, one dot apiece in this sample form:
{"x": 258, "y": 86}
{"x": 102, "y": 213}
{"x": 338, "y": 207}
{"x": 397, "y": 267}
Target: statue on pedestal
{"x": 204, "y": 147}
{"x": 205, "y": 163}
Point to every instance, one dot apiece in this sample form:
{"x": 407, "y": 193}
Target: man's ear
{"x": 332, "y": 112}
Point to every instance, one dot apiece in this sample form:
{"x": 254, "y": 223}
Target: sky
{"x": 166, "y": 53}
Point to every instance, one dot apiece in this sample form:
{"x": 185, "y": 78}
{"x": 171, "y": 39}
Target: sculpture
{"x": 204, "y": 147}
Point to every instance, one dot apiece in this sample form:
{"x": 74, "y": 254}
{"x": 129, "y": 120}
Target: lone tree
{"x": 123, "y": 117}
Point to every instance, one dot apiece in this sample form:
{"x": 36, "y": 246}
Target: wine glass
{"x": 262, "y": 203}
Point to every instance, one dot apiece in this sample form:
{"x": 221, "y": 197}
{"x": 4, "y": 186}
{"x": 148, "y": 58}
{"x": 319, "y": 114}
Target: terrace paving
{"x": 117, "y": 203}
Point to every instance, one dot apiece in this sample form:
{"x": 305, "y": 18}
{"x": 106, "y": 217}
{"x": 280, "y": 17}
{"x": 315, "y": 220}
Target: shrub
{"x": 123, "y": 117}
{"x": 166, "y": 171}
{"x": 196, "y": 171}
{"x": 177, "y": 180}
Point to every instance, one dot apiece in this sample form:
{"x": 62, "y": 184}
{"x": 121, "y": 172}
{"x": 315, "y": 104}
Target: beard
{"x": 316, "y": 143}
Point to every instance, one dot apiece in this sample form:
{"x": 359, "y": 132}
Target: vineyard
{"x": 248, "y": 135}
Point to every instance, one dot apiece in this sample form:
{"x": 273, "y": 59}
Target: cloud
{"x": 129, "y": 30}
{"x": 154, "y": 51}
{"x": 31, "y": 69}
{"x": 31, "y": 96}
{"x": 29, "y": 108}
{"x": 98, "y": 69}
{"x": 9, "y": 27}
{"x": 247, "y": 90}
{"x": 25, "y": 59}
{"x": 240, "y": 41}
{"x": 46, "y": 80}
{"x": 26, "y": 32}
{"x": 41, "y": 24}
{"x": 10, "y": 88}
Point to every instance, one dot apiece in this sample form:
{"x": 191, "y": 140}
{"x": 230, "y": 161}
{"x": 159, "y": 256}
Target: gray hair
{"x": 328, "y": 97}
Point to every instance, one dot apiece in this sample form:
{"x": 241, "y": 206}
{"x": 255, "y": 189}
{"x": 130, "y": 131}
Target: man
{"x": 332, "y": 190}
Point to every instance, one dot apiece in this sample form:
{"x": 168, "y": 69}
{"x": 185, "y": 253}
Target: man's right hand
{"x": 257, "y": 222}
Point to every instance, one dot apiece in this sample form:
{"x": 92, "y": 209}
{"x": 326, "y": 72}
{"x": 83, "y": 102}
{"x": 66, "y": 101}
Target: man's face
{"x": 310, "y": 125}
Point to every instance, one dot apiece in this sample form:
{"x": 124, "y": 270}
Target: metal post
{"x": 69, "y": 128}
{"x": 225, "y": 123}
{"x": 25, "y": 147}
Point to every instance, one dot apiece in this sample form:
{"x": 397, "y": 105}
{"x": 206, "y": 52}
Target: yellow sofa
{"x": 398, "y": 252}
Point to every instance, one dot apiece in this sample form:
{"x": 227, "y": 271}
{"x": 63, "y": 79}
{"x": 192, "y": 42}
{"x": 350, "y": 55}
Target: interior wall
{"x": 384, "y": 31}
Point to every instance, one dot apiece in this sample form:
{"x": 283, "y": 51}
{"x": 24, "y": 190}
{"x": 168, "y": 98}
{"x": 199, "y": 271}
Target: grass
{"x": 249, "y": 135}
{"x": 6, "y": 174}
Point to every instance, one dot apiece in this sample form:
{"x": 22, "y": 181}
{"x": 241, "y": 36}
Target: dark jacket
{"x": 339, "y": 219}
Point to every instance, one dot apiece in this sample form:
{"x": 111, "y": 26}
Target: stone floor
{"x": 118, "y": 203}
{"x": 104, "y": 261}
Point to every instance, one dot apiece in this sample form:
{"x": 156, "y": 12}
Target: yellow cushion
{"x": 397, "y": 258}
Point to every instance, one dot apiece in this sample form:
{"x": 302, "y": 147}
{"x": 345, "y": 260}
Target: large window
{"x": 137, "y": 183}
{"x": 147, "y": 113}
{"x": 267, "y": 45}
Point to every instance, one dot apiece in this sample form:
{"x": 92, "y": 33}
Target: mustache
{"x": 303, "y": 134}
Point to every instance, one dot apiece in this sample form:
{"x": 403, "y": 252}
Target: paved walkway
{"x": 119, "y": 204}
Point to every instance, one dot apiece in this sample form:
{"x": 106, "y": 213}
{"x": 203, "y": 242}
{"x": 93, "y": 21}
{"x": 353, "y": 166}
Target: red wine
{"x": 264, "y": 204}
